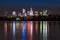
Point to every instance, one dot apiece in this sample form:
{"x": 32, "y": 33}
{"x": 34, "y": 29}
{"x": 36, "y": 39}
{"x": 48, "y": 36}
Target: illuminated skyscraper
{"x": 31, "y": 12}
{"x": 45, "y": 13}
{"x": 23, "y": 12}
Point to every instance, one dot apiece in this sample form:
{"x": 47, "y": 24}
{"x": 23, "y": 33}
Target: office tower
{"x": 5, "y": 30}
{"x": 36, "y": 13}
{"x": 23, "y": 12}
{"x": 24, "y": 30}
{"x": 28, "y": 13}
{"x": 19, "y": 14}
{"x": 31, "y": 12}
{"x": 45, "y": 13}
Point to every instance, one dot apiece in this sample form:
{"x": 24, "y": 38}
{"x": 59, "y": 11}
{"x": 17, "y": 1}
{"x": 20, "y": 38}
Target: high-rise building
{"x": 45, "y": 13}
{"x": 23, "y": 12}
{"x": 36, "y": 13}
{"x": 19, "y": 14}
{"x": 28, "y": 12}
{"x": 31, "y": 12}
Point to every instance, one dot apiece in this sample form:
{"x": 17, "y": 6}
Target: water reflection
{"x": 23, "y": 30}
{"x": 43, "y": 30}
{"x": 5, "y": 30}
{"x": 31, "y": 28}
{"x": 13, "y": 29}
{"x": 28, "y": 30}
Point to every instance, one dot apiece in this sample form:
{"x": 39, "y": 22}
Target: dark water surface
{"x": 29, "y": 30}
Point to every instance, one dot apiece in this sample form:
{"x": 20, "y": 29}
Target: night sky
{"x": 27, "y": 3}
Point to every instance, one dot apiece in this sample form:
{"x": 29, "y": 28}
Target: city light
{"x": 45, "y": 13}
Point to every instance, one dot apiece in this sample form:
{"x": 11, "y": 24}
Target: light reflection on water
{"x": 24, "y": 30}
{"x": 27, "y": 29}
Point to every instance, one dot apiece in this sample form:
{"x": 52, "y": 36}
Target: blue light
{"x": 24, "y": 31}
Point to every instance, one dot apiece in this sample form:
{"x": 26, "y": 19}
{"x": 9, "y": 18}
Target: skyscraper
{"x": 23, "y": 12}
{"x": 31, "y": 12}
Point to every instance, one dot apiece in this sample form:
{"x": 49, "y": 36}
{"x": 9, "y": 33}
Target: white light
{"x": 14, "y": 13}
